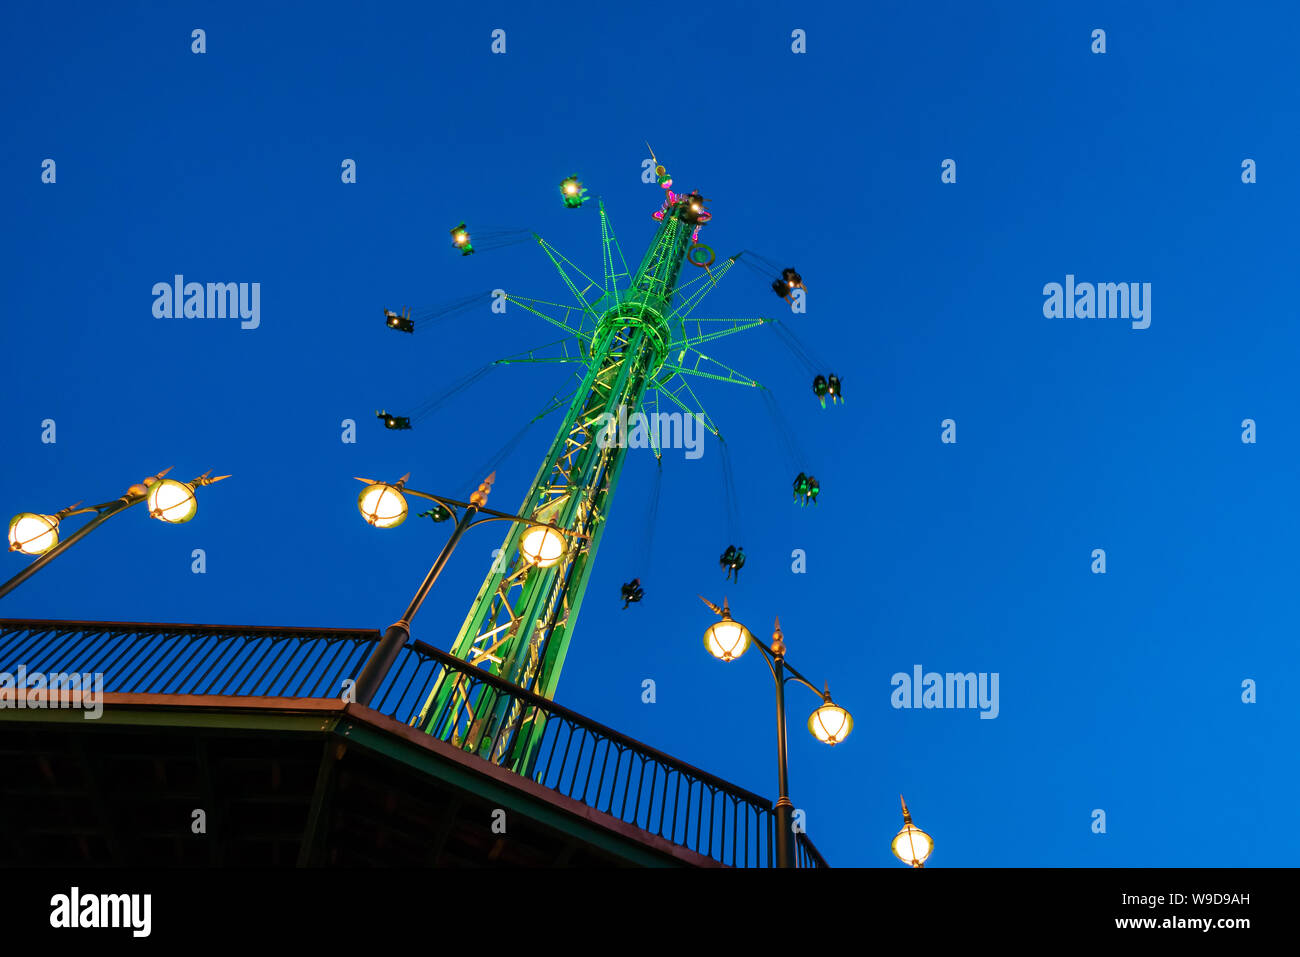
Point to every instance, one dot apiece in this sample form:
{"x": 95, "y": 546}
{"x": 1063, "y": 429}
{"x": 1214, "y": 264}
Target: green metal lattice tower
{"x": 637, "y": 344}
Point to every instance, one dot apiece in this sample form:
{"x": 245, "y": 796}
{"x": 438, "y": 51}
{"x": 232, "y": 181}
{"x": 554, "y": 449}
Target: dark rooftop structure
{"x": 229, "y": 745}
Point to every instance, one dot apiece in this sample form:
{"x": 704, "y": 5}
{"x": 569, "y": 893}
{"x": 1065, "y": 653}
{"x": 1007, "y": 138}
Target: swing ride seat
{"x": 572, "y": 191}
{"x": 394, "y": 421}
{"x": 632, "y": 592}
{"x": 460, "y": 239}
{"x": 401, "y": 323}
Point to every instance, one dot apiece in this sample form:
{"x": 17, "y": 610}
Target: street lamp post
{"x": 727, "y": 640}
{"x": 384, "y": 506}
{"x": 168, "y": 500}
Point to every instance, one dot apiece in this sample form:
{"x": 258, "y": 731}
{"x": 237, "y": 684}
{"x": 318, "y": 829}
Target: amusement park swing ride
{"x": 635, "y": 341}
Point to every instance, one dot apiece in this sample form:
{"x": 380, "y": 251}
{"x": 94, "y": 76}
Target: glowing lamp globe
{"x": 912, "y": 845}
{"x": 727, "y": 640}
{"x": 830, "y": 724}
{"x": 171, "y": 501}
{"x": 33, "y": 534}
{"x": 382, "y": 505}
{"x": 542, "y": 546}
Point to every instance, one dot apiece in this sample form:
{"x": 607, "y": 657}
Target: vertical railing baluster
{"x": 250, "y": 672}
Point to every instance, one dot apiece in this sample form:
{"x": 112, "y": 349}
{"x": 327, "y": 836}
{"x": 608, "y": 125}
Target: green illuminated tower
{"x": 637, "y": 344}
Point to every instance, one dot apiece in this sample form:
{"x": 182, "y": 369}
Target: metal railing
{"x": 586, "y": 761}
{"x": 575, "y": 757}
{"x": 138, "y": 658}
{"x": 806, "y": 854}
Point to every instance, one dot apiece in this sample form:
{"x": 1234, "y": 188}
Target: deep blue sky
{"x": 1119, "y": 692}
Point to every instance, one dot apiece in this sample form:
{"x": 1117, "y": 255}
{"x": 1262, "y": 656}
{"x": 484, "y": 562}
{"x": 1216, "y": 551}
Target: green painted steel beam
{"x": 521, "y": 621}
